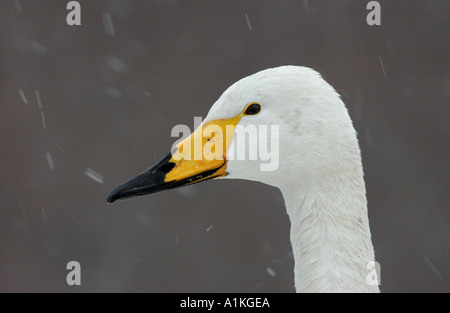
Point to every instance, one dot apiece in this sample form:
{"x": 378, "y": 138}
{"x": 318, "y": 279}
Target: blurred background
{"x": 83, "y": 108}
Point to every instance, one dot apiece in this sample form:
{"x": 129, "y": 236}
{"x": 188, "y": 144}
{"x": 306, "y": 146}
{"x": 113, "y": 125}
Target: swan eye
{"x": 253, "y": 109}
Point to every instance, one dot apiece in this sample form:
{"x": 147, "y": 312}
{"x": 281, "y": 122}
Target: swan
{"x": 319, "y": 171}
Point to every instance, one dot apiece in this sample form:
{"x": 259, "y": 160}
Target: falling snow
{"x": 18, "y": 7}
{"x": 146, "y": 104}
{"x": 116, "y": 64}
{"x": 43, "y": 213}
{"x": 38, "y": 47}
{"x": 43, "y": 120}
{"x": 25, "y": 46}
{"x": 108, "y": 23}
{"x": 22, "y": 95}
{"x": 94, "y": 175}
{"x": 382, "y": 67}
{"x": 271, "y": 272}
{"x": 50, "y": 160}
{"x": 433, "y": 268}
{"x": 113, "y": 92}
{"x": 261, "y": 284}
{"x": 57, "y": 146}
{"x": 306, "y": 6}
{"x": 38, "y": 99}
{"x": 248, "y": 22}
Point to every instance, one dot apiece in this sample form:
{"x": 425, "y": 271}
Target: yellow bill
{"x": 201, "y": 156}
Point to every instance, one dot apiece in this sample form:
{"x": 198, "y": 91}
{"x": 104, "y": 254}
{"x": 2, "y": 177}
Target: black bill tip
{"x": 112, "y": 196}
{"x": 154, "y": 180}
{"x": 150, "y": 181}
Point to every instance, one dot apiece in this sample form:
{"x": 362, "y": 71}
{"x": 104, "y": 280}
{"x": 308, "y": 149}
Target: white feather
{"x": 320, "y": 174}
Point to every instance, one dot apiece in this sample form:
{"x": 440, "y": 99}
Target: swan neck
{"x": 330, "y": 237}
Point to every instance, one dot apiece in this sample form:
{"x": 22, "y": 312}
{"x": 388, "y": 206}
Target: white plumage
{"x": 320, "y": 174}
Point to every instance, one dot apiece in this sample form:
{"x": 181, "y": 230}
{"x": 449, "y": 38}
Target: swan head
{"x": 283, "y": 126}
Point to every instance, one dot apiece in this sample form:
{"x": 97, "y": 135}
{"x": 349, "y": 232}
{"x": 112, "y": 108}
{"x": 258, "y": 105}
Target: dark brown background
{"x": 95, "y": 89}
